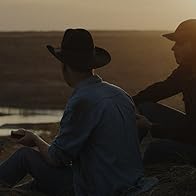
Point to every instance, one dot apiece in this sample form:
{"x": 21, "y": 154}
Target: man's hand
{"x": 27, "y": 138}
{"x": 31, "y": 139}
{"x": 17, "y": 134}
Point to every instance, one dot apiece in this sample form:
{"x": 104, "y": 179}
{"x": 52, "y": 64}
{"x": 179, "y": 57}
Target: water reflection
{"x": 6, "y": 132}
{"x": 26, "y": 112}
{"x": 18, "y": 116}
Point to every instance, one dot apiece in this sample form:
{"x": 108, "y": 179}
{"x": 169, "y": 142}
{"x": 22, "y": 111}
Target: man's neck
{"x": 79, "y": 77}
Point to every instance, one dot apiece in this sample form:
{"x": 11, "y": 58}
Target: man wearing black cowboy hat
{"x": 177, "y": 128}
{"x": 97, "y": 140}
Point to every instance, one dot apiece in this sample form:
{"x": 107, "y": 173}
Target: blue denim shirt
{"x": 98, "y": 134}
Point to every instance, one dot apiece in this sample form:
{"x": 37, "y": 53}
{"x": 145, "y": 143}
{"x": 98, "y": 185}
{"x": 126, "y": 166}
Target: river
{"x": 11, "y": 116}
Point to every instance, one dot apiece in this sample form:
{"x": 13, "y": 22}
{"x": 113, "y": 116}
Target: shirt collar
{"x": 88, "y": 81}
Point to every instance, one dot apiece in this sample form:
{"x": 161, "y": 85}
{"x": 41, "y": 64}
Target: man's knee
{"x": 26, "y": 153}
{"x": 24, "y": 150}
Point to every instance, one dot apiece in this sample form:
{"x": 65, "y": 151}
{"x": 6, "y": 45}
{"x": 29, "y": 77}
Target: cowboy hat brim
{"x": 100, "y": 58}
{"x": 170, "y": 36}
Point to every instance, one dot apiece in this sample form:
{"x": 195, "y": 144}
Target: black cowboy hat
{"x": 185, "y": 31}
{"x": 78, "y": 51}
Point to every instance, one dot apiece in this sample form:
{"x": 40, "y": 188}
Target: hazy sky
{"x": 94, "y": 14}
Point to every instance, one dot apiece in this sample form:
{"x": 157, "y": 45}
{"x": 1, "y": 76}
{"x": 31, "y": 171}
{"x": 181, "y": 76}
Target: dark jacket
{"x": 182, "y": 80}
{"x": 98, "y": 133}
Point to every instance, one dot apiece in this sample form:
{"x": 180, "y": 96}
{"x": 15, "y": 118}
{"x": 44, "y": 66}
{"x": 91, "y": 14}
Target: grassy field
{"x": 31, "y": 77}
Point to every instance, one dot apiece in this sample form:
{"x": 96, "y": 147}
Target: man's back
{"x": 182, "y": 80}
{"x": 105, "y": 149}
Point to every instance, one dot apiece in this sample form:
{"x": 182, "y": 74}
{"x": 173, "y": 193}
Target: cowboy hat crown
{"x": 78, "y": 51}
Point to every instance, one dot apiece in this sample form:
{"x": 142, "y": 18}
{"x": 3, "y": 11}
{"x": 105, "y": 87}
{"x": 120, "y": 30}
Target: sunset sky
{"x": 94, "y": 14}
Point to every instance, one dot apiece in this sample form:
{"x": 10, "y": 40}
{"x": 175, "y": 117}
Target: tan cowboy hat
{"x": 185, "y": 31}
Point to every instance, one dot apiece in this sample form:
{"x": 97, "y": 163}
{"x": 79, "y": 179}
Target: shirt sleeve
{"x": 75, "y": 127}
{"x": 164, "y": 89}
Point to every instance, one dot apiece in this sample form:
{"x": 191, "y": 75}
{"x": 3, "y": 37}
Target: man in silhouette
{"x": 177, "y": 128}
{"x": 96, "y": 152}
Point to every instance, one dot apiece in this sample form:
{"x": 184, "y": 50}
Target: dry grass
{"x": 175, "y": 180}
